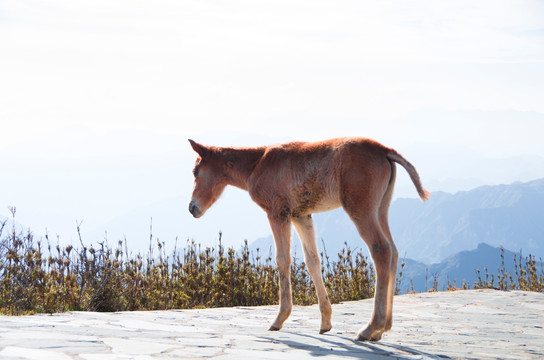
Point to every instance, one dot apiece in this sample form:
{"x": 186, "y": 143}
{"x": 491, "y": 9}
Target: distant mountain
{"x": 334, "y": 230}
{"x": 508, "y": 215}
{"x": 456, "y": 269}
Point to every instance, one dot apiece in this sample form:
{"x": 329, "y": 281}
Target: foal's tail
{"x": 396, "y": 157}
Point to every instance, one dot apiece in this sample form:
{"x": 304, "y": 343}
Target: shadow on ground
{"x": 331, "y": 344}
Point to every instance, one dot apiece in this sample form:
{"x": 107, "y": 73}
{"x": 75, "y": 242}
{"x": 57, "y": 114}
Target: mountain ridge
{"x": 465, "y": 267}
{"x": 510, "y": 215}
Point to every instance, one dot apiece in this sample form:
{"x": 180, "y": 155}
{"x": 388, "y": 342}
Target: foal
{"x": 290, "y": 182}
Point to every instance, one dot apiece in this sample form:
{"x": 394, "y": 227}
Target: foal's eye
{"x": 195, "y": 172}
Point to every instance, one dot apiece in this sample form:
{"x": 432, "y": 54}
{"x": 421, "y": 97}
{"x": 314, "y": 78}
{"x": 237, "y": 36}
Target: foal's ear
{"x": 201, "y": 150}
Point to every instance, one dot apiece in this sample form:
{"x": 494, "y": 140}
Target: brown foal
{"x": 290, "y": 182}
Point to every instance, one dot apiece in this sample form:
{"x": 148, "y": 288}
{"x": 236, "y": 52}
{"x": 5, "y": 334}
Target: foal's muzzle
{"x": 194, "y": 209}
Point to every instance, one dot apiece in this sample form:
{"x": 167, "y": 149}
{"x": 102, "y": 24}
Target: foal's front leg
{"x": 281, "y": 230}
{"x": 305, "y": 229}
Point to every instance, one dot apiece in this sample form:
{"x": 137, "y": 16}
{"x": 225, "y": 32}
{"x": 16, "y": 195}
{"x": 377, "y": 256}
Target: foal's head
{"x": 210, "y": 178}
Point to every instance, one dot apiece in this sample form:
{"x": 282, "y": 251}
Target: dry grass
{"x": 526, "y": 276}
{"x": 38, "y": 277}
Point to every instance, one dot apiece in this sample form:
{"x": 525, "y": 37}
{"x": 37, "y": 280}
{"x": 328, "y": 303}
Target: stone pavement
{"x": 462, "y": 324}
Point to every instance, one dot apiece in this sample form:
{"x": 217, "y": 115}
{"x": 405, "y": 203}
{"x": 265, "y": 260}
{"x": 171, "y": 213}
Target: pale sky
{"x": 98, "y": 98}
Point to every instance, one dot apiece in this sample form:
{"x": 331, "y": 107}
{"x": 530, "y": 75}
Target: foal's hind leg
{"x": 383, "y": 254}
{"x": 281, "y": 230}
{"x": 305, "y": 229}
{"x": 392, "y": 273}
{"x": 384, "y": 223}
{"x": 392, "y": 278}
{"x": 365, "y": 194}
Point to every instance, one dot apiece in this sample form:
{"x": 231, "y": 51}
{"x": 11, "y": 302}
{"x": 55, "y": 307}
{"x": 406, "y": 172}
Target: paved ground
{"x": 463, "y": 324}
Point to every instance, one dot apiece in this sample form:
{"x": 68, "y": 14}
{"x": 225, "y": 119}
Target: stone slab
{"x": 475, "y": 324}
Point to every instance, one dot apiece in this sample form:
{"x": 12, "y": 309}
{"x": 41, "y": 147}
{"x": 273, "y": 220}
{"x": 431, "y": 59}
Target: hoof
{"x": 273, "y": 328}
{"x": 322, "y": 331}
{"x": 364, "y": 339}
{"x": 362, "y": 336}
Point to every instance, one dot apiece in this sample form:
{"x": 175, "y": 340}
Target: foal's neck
{"x": 242, "y": 162}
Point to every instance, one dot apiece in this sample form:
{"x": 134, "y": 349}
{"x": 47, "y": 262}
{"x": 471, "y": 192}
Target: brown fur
{"x": 290, "y": 182}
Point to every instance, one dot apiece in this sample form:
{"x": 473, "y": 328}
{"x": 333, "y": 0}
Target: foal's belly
{"x": 309, "y": 203}
{"x": 318, "y": 193}
{"x": 327, "y": 203}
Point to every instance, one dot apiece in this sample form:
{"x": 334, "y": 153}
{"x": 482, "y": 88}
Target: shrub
{"x": 102, "y": 278}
